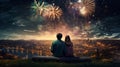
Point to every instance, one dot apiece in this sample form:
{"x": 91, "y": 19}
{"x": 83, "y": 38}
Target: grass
{"x": 29, "y": 63}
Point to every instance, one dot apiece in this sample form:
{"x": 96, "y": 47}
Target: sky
{"x": 18, "y": 20}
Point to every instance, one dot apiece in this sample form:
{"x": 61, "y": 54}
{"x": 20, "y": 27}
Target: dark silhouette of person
{"x": 69, "y": 46}
{"x": 58, "y": 47}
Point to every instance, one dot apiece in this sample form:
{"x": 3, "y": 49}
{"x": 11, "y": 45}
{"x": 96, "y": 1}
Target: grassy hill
{"x": 29, "y": 63}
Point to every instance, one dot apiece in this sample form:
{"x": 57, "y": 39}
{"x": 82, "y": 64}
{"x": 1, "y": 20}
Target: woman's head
{"x": 67, "y": 38}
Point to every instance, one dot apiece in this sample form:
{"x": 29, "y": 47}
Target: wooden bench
{"x": 61, "y": 59}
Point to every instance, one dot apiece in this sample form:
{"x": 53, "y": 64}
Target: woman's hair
{"x": 67, "y": 38}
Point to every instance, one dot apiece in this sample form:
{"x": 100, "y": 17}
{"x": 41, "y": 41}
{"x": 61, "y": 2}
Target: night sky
{"x": 17, "y": 18}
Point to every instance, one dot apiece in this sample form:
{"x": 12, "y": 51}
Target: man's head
{"x": 59, "y": 36}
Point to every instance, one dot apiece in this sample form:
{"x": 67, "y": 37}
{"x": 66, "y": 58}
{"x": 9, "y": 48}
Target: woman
{"x": 69, "y": 46}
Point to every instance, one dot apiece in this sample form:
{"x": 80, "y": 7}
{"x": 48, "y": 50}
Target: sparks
{"x": 82, "y": 7}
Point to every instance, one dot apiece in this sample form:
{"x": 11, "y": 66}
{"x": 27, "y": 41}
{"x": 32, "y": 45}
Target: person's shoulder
{"x": 71, "y": 42}
{"x": 55, "y": 41}
{"x": 62, "y": 41}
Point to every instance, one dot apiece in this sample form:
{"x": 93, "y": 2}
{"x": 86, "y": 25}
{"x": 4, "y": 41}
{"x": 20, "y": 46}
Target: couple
{"x": 60, "y": 48}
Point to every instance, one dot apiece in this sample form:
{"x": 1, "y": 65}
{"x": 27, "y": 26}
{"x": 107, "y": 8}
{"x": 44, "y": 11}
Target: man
{"x": 58, "y": 47}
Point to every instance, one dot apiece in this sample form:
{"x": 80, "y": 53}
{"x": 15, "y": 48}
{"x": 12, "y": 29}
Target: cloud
{"x": 29, "y": 30}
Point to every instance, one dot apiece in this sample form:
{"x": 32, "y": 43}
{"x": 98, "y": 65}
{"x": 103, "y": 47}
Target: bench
{"x": 61, "y": 59}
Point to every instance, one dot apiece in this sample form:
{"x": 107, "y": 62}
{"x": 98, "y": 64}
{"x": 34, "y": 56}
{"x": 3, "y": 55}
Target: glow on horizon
{"x": 52, "y": 37}
{"x": 41, "y": 36}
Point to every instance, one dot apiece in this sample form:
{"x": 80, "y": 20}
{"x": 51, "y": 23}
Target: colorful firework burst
{"x": 88, "y": 7}
{"x": 39, "y": 7}
{"x": 82, "y": 7}
{"x": 48, "y": 11}
{"x": 52, "y": 12}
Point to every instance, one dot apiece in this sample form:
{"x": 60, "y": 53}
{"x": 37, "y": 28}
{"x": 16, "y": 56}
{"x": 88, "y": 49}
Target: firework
{"x": 82, "y": 7}
{"x": 52, "y": 12}
{"x": 39, "y": 7}
{"x": 48, "y": 11}
{"x": 88, "y": 7}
